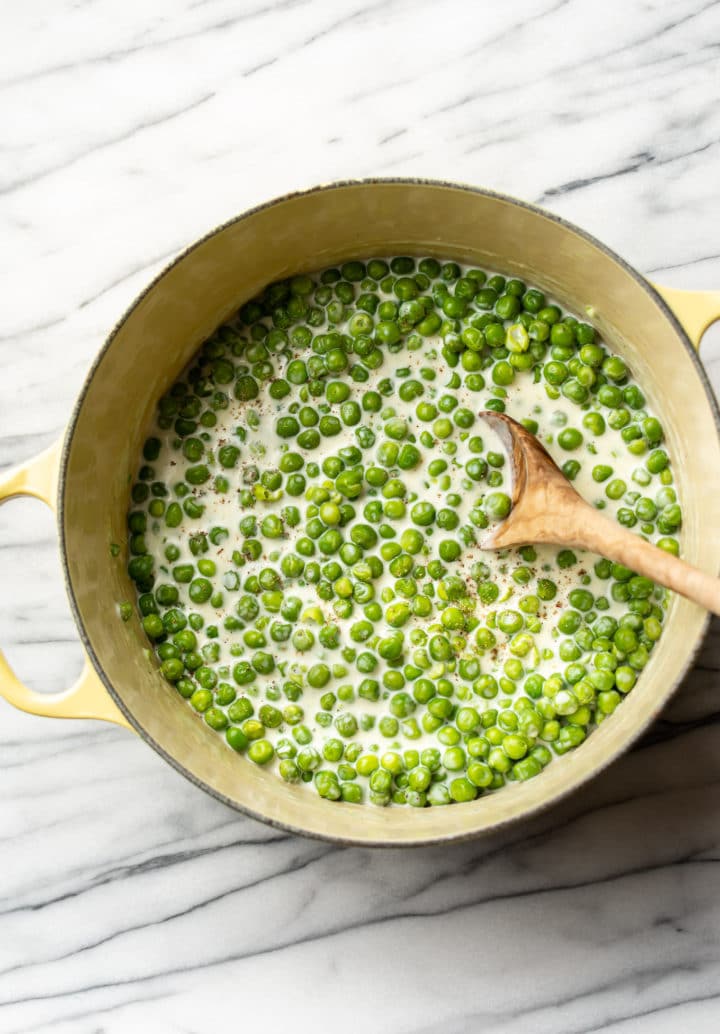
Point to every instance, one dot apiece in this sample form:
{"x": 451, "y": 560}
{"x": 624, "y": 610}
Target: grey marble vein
{"x": 130, "y": 901}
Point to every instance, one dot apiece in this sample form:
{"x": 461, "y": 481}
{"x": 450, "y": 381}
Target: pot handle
{"x": 695, "y": 310}
{"x": 87, "y": 698}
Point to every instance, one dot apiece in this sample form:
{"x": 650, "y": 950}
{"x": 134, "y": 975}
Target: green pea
{"x": 503, "y": 373}
{"x": 570, "y": 438}
{"x": 423, "y": 514}
{"x": 237, "y": 739}
{"x": 497, "y": 505}
{"x": 616, "y": 489}
{"x": 461, "y": 789}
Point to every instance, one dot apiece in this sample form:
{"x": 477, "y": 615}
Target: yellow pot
{"x": 657, "y": 330}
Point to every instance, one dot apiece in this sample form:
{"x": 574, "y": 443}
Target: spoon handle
{"x": 616, "y": 543}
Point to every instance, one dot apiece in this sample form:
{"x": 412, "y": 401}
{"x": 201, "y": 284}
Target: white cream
{"x": 262, "y": 448}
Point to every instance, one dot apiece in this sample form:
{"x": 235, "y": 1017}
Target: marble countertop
{"x": 129, "y": 900}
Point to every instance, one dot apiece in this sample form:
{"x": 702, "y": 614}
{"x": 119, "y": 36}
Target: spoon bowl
{"x": 547, "y": 509}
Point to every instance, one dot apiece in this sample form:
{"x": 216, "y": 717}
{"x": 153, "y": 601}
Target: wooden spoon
{"x": 546, "y": 508}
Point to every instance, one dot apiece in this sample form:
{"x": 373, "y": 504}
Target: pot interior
{"x": 303, "y": 233}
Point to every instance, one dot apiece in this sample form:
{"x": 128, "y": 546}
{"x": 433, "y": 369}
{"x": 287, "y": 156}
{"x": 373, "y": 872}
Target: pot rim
{"x": 68, "y": 436}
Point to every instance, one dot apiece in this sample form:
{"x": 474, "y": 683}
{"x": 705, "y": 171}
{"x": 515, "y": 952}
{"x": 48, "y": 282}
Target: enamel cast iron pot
{"x": 657, "y": 330}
